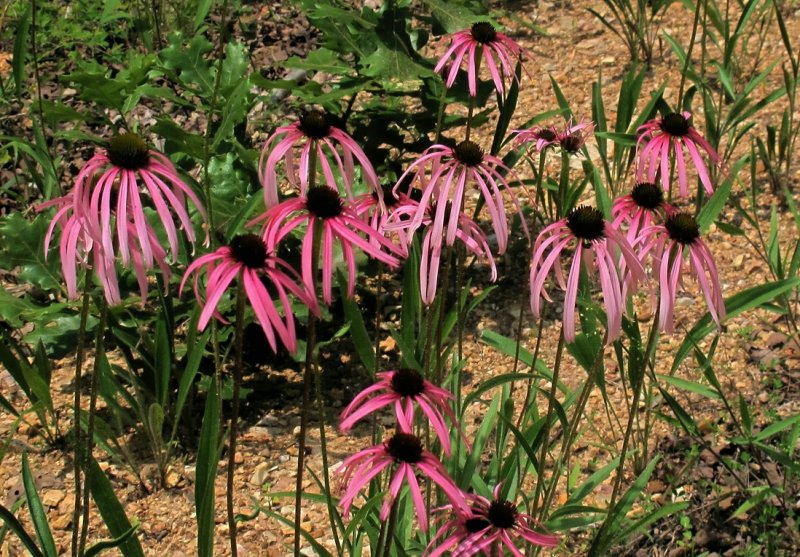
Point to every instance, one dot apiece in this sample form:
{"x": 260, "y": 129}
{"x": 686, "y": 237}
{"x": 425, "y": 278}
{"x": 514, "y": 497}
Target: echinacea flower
{"x": 246, "y": 259}
{"x": 467, "y": 231}
{"x": 403, "y": 388}
{"x": 672, "y": 134}
{"x": 488, "y": 527}
{"x": 403, "y": 452}
{"x": 294, "y": 144}
{"x": 322, "y": 208}
{"x": 644, "y": 206}
{"x": 77, "y": 245}
{"x": 451, "y": 171}
{"x": 115, "y": 179}
{"x": 498, "y": 50}
{"x": 377, "y": 211}
{"x": 573, "y": 137}
{"x": 541, "y": 137}
{"x": 669, "y": 243}
{"x": 597, "y": 245}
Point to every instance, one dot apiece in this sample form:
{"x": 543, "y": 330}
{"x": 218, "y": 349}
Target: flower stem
{"x": 87, "y": 456}
{"x": 76, "y": 410}
{"x": 688, "y": 60}
{"x": 637, "y": 391}
{"x": 546, "y": 427}
{"x": 234, "y": 427}
{"x": 326, "y": 479}
{"x": 307, "y": 378}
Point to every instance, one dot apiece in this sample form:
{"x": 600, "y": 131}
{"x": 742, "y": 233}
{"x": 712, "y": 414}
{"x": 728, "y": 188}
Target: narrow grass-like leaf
{"x": 207, "y": 458}
{"x": 99, "y": 547}
{"x": 15, "y": 526}
{"x": 37, "y": 512}
{"x": 691, "y": 386}
{"x": 736, "y": 304}
{"x": 111, "y": 510}
{"x": 358, "y": 330}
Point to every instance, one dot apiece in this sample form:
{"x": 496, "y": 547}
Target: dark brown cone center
{"x": 586, "y": 223}
{"x": 314, "y": 124}
{"x": 324, "y": 202}
{"x": 469, "y": 153}
{"x": 483, "y": 32}
{"x": 682, "y": 228}
{"x": 128, "y": 151}
{"x": 405, "y": 447}
{"x": 249, "y": 250}
{"x": 675, "y": 124}
{"x": 502, "y": 513}
{"x": 408, "y": 382}
{"x": 647, "y": 195}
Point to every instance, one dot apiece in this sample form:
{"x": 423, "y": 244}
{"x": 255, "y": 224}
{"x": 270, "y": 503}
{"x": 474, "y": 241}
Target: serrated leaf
{"x": 189, "y": 62}
{"x": 20, "y": 49}
{"x": 320, "y": 60}
{"x": 22, "y": 245}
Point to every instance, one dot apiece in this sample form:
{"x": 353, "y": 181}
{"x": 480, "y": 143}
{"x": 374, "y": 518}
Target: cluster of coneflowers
{"x": 104, "y": 224}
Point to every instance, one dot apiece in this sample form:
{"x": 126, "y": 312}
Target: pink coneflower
{"x": 116, "y": 178}
{"x": 403, "y": 388}
{"x": 498, "y": 50}
{"x": 377, "y": 211}
{"x": 668, "y": 243}
{"x": 488, "y": 527}
{"x": 672, "y": 133}
{"x": 76, "y": 245}
{"x": 451, "y": 170}
{"x": 573, "y": 137}
{"x": 293, "y": 145}
{"x": 323, "y": 207}
{"x": 541, "y": 137}
{"x": 596, "y": 243}
{"x": 403, "y": 451}
{"x": 639, "y": 209}
{"x": 468, "y": 232}
{"x": 247, "y": 258}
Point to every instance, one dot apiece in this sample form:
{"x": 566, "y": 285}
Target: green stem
{"x": 207, "y": 198}
{"x": 324, "y": 452}
{"x": 689, "y": 53}
{"x": 87, "y": 456}
{"x": 546, "y": 426}
{"x": 234, "y": 427}
{"x": 76, "y": 410}
{"x": 637, "y": 391}
{"x": 529, "y": 389}
{"x": 308, "y": 376}
{"x": 387, "y": 550}
{"x": 572, "y": 433}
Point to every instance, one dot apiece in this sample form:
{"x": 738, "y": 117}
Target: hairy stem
{"x": 234, "y": 427}
{"x": 87, "y": 456}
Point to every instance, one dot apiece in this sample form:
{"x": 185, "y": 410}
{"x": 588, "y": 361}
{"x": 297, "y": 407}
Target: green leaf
{"x": 111, "y": 510}
{"x": 207, "y": 458}
{"x": 11, "y": 521}
{"x": 23, "y": 246}
{"x": 736, "y": 304}
{"x": 321, "y": 60}
{"x": 452, "y": 16}
{"x": 36, "y": 509}
{"x": 178, "y": 139}
{"x": 189, "y": 62}
{"x": 203, "y": 7}
{"x": 691, "y": 386}
{"x": 99, "y": 547}
{"x": 21, "y": 49}
{"x": 777, "y": 427}
{"x": 365, "y": 348}
{"x": 393, "y": 64}
{"x": 714, "y": 206}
